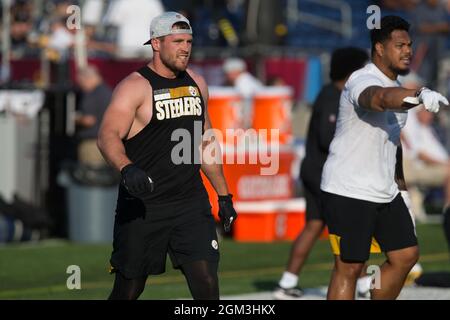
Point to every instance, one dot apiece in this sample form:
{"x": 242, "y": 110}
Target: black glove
{"x": 136, "y": 181}
{"x": 227, "y": 214}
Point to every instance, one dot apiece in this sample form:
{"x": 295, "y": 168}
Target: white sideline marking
{"x": 408, "y": 293}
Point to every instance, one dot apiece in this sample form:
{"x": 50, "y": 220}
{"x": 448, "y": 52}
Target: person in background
{"x": 412, "y": 81}
{"x": 427, "y": 163}
{"x": 244, "y": 82}
{"x": 432, "y": 27}
{"x": 238, "y": 76}
{"x": 96, "y": 96}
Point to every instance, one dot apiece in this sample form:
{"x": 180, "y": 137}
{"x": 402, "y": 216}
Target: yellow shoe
{"x": 415, "y": 273}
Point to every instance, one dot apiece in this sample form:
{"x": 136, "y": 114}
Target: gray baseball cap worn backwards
{"x": 162, "y": 25}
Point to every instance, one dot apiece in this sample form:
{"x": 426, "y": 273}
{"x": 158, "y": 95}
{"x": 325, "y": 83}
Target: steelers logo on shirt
{"x": 193, "y": 91}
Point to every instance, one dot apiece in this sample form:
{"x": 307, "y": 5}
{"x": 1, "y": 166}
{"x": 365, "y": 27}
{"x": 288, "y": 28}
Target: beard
{"x": 402, "y": 72}
{"x": 399, "y": 71}
{"x": 171, "y": 65}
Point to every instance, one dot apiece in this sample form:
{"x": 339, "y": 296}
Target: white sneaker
{"x": 363, "y": 287}
{"x": 287, "y": 294}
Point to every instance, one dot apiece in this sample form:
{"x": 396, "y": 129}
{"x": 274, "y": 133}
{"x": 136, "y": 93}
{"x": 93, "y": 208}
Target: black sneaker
{"x": 287, "y": 294}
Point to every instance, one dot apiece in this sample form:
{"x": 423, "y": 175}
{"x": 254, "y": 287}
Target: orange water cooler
{"x": 225, "y": 108}
{"x": 269, "y": 220}
{"x": 272, "y": 109}
{"x": 264, "y": 202}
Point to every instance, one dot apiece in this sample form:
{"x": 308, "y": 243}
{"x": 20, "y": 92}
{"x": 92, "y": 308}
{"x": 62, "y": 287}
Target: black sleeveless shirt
{"x": 167, "y": 148}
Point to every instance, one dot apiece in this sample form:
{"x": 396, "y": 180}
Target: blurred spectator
{"x": 98, "y": 46}
{"x": 97, "y": 43}
{"x": 237, "y": 75}
{"x": 132, "y": 19}
{"x": 245, "y": 83}
{"x": 416, "y": 197}
{"x": 411, "y": 81}
{"x": 22, "y": 10}
{"x": 61, "y": 39}
{"x": 95, "y": 99}
{"x": 61, "y": 7}
{"x": 21, "y": 26}
{"x": 430, "y": 22}
{"x": 426, "y": 161}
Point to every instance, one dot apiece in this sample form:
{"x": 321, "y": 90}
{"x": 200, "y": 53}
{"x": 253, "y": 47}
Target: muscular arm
{"x": 380, "y": 99}
{"x": 213, "y": 171}
{"x": 118, "y": 119}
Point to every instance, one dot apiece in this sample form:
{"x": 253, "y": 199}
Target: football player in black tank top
{"x": 162, "y": 205}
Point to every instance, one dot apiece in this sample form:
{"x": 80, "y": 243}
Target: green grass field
{"x": 38, "y": 271}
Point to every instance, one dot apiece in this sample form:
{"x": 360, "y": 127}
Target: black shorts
{"x": 313, "y": 205}
{"x": 358, "y": 227}
{"x": 143, "y": 236}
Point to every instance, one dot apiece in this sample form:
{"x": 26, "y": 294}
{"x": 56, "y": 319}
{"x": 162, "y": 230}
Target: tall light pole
{"x": 6, "y": 41}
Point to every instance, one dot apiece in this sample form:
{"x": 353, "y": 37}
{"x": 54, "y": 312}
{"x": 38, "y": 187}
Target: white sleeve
{"x": 358, "y": 84}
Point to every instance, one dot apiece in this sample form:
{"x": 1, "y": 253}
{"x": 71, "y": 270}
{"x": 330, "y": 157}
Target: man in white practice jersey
{"x": 361, "y": 201}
